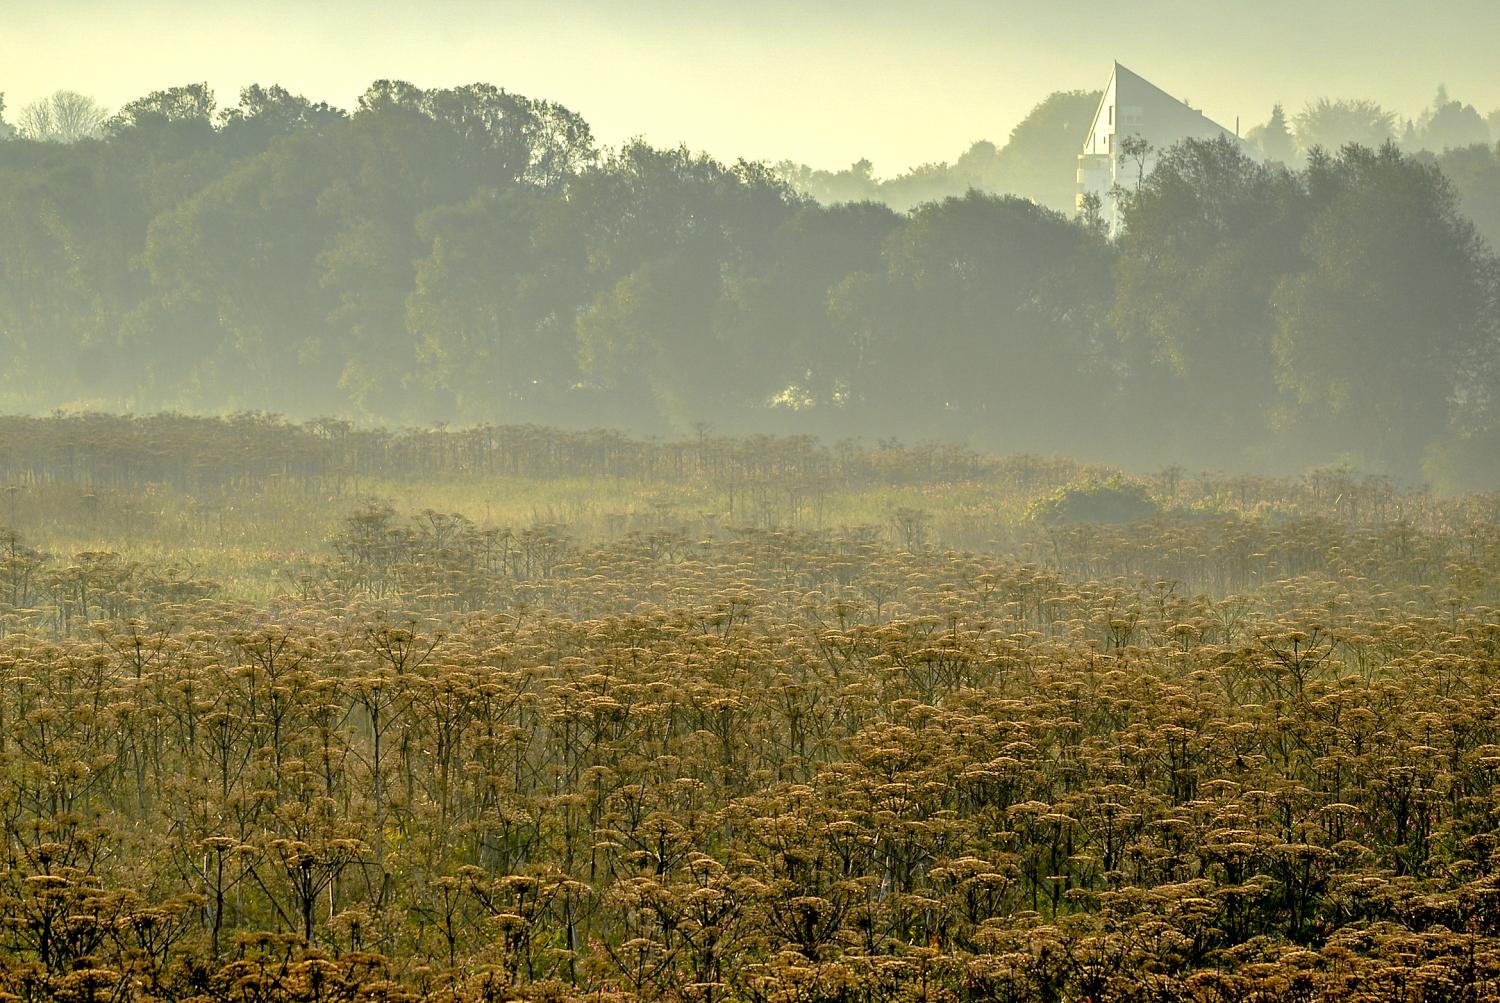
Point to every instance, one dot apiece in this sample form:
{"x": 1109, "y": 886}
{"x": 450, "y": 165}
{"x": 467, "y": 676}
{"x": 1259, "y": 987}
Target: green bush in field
{"x": 1115, "y": 500}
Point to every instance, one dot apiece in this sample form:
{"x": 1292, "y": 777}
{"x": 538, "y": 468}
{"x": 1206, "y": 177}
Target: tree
{"x": 1373, "y": 333}
{"x": 562, "y": 145}
{"x": 1446, "y": 125}
{"x": 1332, "y": 125}
{"x": 1137, "y": 150}
{"x": 171, "y": 126}
{"x": 989, "y": 304}
{"x": 232, "y": 273}
{"x": 1091, "y": 214}
{"x": 773, "y": 314}
{"x": 1039, "y": 158}
{"x": 72, "y": 222}
{"x": 488, "y": 331}
{"x": 1274, "y": 137}
{"x": 191, "y": 104}
{"x": 855, "y": 183}
{"x": 1205, "y": 239}
{"x": 518, "y": 138}
{"x": 418, "y": 150}
{"x": 1474, "y": 172}
{"x": 265, "y": 113}
{"x": 63, "y": 117}
{"x": 1036, "y": 162}
{"x": 655, "y": 232}
{"x": 649, "y": 342}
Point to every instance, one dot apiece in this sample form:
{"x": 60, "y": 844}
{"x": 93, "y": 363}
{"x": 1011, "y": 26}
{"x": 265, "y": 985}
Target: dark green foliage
{"x": 467, "y": 254}
{"x": 1207, "y": 236}
{"x": 1389, "y": 310}
{"x": 1009, "y": 299}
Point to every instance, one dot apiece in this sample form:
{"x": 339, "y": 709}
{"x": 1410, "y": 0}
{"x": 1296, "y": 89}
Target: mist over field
{"x": 722, "y": 503}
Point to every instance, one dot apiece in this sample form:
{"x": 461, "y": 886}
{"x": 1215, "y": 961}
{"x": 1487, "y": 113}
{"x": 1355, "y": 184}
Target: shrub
{"x": 1115, "y": 500}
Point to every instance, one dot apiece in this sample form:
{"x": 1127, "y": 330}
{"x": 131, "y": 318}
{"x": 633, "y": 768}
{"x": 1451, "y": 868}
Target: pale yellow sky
{"x": 822, "y": 83}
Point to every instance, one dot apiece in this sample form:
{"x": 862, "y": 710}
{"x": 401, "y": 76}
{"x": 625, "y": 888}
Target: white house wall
{"x": 1133, "y": 106}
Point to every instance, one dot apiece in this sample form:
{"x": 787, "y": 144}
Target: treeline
{"x": 1038, "y": 162}
{"x": 1038, "y": 159}
{"x": 258, "y": 452}
{"x": 470, "y": 255}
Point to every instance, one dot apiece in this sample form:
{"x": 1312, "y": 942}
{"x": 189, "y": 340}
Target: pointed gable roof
{"x": 1124, "y": 77}
{"x": 1109, "y": 85}
{"x": 1145, "y": 109}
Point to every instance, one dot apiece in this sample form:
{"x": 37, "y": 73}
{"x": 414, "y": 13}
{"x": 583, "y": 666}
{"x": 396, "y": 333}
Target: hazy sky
{"x": 824, "y": 83}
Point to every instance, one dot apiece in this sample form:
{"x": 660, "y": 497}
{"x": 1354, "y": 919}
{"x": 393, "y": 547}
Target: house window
{"x": 1111, "y": 114}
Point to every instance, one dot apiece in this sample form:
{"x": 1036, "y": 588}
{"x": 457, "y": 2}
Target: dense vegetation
{"x": 469, "y": 255}
{"x": 553, "y": 715}
{"x": 1037, "y": 161}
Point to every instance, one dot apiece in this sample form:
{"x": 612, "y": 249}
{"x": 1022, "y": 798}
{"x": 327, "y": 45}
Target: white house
{"x": 1133, "y": 107}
